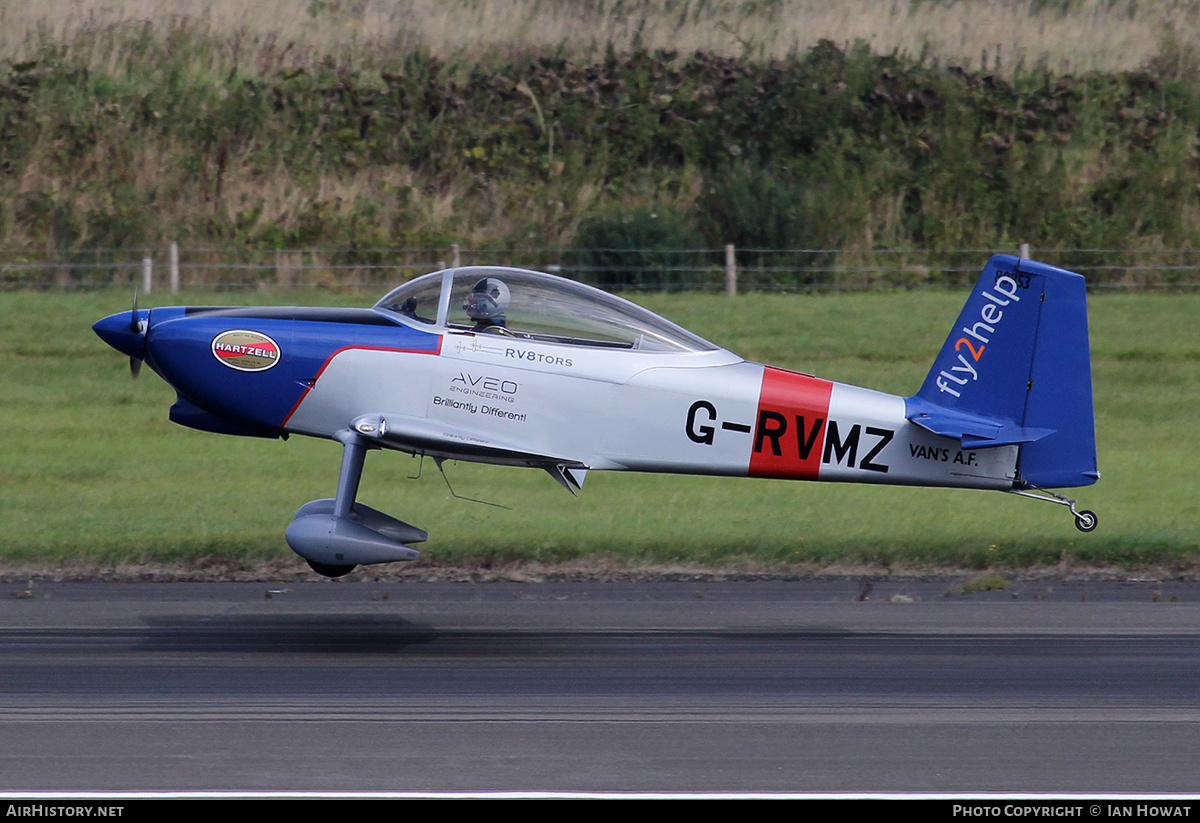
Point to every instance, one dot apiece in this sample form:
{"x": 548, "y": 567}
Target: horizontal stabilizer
{"x": 975, "y": 431}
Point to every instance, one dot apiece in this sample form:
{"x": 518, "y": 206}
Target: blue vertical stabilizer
{"x": 1016, "y": 369}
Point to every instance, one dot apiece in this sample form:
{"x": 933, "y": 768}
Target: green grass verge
{"x": 95, "y": 473}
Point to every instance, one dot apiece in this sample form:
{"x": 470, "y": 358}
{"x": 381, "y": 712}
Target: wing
{"x": 443, "y": 441}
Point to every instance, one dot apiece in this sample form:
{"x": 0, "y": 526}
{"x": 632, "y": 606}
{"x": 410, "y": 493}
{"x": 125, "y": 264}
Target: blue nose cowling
{"x": 124, "y": 332}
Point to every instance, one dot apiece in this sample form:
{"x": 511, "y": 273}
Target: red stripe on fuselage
{"x": 789, "y": 431}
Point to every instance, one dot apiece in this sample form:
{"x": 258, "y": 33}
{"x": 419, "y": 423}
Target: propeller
{"x": 126, "y": 332}
{"x": 135, "y": 326}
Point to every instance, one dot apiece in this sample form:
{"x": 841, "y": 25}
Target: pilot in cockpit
{"x": 487, "y": 304}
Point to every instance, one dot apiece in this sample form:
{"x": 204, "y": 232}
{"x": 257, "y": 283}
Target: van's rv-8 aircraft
{"x": 520, "y": 368}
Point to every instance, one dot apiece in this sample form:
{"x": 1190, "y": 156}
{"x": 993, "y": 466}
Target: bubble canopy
{"x": 541, "y": 307}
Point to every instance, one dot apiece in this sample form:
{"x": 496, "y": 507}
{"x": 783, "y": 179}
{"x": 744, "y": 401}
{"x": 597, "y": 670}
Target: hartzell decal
{"x": 245, "y": 350}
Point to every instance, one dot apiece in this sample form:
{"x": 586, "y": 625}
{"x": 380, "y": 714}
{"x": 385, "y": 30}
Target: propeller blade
{"x": 126, "y": 332}
{"x": 135, "y": 363}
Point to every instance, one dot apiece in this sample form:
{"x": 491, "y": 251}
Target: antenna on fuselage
{"x": 439, "y": 461}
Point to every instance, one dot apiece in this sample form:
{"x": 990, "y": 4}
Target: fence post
{"x": 731, "y": 272}
{"x": 455, "y": 260}
{"x": 1024, "y": 251}
{"x": 173, "y": 257}
{"x": 147, "y": 275}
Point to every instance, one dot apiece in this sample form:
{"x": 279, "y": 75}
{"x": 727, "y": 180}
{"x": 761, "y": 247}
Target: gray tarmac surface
{"x": 1049, "y": 686}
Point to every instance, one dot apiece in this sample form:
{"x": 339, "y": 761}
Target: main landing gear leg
{"x": 1085, "y": 520}
{"x": 354, "y": 455}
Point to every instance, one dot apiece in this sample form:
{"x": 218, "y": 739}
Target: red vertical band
{"x": 789, "y": 432}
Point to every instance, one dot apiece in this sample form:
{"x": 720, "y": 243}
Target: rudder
{"x": 1060, "y": 396}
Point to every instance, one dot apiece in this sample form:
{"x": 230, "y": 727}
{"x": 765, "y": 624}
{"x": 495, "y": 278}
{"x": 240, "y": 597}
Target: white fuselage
{"x": 707, "y": 412}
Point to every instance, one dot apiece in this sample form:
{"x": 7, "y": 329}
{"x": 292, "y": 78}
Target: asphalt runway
{"x": 673, "y": 686}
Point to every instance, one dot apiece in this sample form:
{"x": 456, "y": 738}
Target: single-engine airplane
{"x": 520, "y": 368}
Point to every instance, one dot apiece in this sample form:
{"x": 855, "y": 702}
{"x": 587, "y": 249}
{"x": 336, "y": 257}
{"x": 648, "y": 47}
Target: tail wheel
{"x": 1085, "y": 520}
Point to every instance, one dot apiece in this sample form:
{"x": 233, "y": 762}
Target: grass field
{"x": 95, "y": 474}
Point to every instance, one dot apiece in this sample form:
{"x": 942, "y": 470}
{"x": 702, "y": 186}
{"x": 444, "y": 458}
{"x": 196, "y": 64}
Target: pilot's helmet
{"x": 488, "y": 300}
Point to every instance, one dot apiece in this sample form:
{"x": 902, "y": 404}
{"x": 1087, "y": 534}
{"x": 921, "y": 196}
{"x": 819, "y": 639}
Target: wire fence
{"x": 727, "y": 269}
